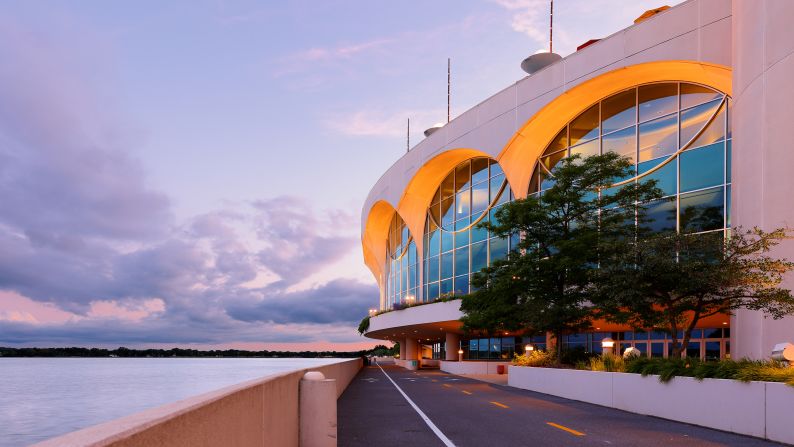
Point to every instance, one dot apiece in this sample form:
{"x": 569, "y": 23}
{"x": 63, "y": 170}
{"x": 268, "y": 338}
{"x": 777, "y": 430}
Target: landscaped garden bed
{"x": 748, "y": 397}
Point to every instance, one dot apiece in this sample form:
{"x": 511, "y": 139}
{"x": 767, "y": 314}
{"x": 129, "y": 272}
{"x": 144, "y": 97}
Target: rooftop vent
{"x": 433, "y": 128}
{"x": 650, "y": 13}
{"x": 539, "y": 60}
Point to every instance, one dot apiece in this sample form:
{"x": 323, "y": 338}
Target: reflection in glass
{"x": 623, "y": 142}
{"x": 728, "y": 206}
{"x": 660, "y": 216}
{"x": 656, "y": 100}
{"x": 402, "y": 259}
{"x": 658, "y": 138}
{"x": 446, "y": 241}
{"x": 479, "y": 170}
{"x": 657, "y": 349}
{"x": 712, "y": 349}
{"x": 462, "y": 176}
{"x": 559, "y": 142}
{"x": 432, "y": 291}
{"x": 432, "y": 269}
{"x": 498, "y": 248}
{"x": 495, "y": 169}
{"x": 618, "y": 111}
{"x": 463, "y": 204}
{"x": 447, "y": 186}
{"x": 702, "y": 210}
{"x": 586, "y": 149}
{"x": 666, "y": 176}
{"x": 550, "y": 161}
{"x": 479, "y": 256}
{"x": 446, "y": 287}
{"x": 692, "y": 94}
{"x": 462, "y": 285}
{"x": 693, "y": 120}
{"x": 728, "y": 163}
{"x": 447, "y": 211}
{"x": 462, "y": 261}
{"x": 702, "y": 167}
{"x": 477, "y": 182}
{"x": 479, "y": 198}
{"x": 585, "y": 127}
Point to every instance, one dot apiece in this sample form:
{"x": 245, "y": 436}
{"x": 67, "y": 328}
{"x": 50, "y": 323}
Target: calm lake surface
{"x": 45, "y": 397}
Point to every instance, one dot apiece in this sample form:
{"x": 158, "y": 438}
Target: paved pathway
{"x": 373, "y": 412}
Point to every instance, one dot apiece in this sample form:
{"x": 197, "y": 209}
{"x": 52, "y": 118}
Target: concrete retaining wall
{"x": 760, "y": 409}
{"x": 471, "y": 367}
{"x": 260, "y": 412}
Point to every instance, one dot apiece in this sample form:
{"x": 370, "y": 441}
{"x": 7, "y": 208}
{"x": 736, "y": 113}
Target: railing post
{"x": 317, "y": 410}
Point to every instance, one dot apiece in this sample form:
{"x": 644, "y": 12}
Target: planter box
{"x": 760, "y": 409}
{"x": 585, "y": 386}
{"x": 470, "y": 367}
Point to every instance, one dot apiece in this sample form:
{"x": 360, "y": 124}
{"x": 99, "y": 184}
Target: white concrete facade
{"x": 753, "y": 39}
{"x": 763, "y": 79}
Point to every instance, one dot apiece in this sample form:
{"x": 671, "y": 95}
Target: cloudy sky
{"x": 191, "y": 173}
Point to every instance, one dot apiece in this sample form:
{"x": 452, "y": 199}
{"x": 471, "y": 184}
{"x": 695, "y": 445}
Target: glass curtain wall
{"x": 453, "y": 246}
{"x": 676, "y": 133}
{"x": 402, "y": 281}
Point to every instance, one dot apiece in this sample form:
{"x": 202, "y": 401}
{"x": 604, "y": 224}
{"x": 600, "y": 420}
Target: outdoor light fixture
{"x": 529, "y": 348}
{"x": 460, "y": 355}
{"x": 607, "y": 344}
{"x": 372, "y": 311}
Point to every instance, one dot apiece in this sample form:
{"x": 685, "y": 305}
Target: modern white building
{"x": 702, "y": 92}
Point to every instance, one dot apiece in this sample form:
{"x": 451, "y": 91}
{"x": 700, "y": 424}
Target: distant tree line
{"x": 177, "y": 352}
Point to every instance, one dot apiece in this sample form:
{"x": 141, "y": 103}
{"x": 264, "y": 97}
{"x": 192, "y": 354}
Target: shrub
{"x": 744, "y": 370}
{"x": 608, "y": 363}
{"x": 534, "y": 358}
{"x": 364, "y": 325}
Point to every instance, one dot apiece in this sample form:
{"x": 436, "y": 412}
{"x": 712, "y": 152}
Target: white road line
{"x": 424, "y": 417}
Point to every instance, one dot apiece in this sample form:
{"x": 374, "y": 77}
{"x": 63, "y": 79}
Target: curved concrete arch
{"x": 413, "y": 204}
{"x": 528, "y": 143}
{"x": 373, "y": 240}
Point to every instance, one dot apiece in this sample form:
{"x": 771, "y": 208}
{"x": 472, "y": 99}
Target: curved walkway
{"x": 373, "y": 412}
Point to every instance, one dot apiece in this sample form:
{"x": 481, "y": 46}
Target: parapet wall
{"x": 260, "y": 412}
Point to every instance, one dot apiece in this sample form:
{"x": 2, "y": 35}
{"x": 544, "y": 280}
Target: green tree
{"x": 672, "y": 281}
{"x": 545, "y": 282}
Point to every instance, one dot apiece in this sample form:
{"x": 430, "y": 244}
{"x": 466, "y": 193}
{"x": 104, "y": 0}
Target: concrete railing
{"x": 761, "y": 409}
{"x": 260, "y": 412}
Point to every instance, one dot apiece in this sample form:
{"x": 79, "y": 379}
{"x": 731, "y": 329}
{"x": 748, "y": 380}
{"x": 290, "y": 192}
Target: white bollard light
{"x": 317, "y": 410}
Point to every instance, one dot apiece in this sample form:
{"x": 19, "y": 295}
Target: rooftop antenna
{"x": 551, "y": 26}
{"x": 449, "y": 86}
{"x": 408, "y": 137}
{"x": 541, "y": 59}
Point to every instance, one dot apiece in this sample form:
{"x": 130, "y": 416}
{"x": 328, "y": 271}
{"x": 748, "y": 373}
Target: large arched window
{"x": 677, "y": 133}
{"x": 453, "y": 246}
{"x": 402, "y": 281}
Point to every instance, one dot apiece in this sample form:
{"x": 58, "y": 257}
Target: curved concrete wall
{"x": 427, "y": 313}
{"x": 260, "y": 412}
{"x": 763, "y": 158}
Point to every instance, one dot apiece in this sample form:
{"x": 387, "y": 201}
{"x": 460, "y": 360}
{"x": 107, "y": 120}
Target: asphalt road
{"x": 372, "y": 412}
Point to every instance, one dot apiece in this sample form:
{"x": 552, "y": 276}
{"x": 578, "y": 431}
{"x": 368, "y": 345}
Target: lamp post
{"x": 460, "y": 355}
{"x": 607, "y": 345}
{"x": 527, "y": 349}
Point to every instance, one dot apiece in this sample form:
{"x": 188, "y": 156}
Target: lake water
{"x": 45, "y": 397}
